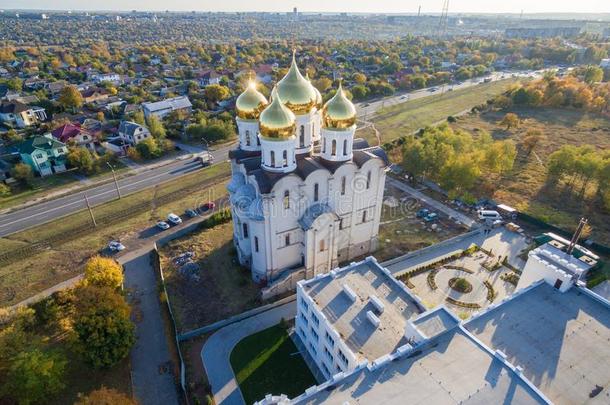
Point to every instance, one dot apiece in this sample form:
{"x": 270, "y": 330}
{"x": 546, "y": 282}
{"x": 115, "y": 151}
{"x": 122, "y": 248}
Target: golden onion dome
{"x": 339, "y": 112}
{"x": 276, "y": 121}
{"x": 296, "y": 92}
{"x": 250, "y": 103}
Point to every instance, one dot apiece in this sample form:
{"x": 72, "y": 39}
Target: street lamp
{"x": 116, "y": 183}
{"x": 207, "y": 145}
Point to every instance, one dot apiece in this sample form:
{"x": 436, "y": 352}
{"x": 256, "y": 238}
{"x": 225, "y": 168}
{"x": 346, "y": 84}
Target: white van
{"x": 489, "y": 215}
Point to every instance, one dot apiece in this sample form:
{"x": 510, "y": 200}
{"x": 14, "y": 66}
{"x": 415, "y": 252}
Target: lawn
{"x": 34, "y": 272}
{"x": 269, "y": 362}
{"x": 525, "y": 187}
{"x": 224, "y": 287}
{"x": 406, "y": 118}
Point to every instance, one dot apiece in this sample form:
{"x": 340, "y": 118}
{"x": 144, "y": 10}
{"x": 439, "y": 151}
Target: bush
{"x": 105, "y": 396}
{"x": 22, "y": 173}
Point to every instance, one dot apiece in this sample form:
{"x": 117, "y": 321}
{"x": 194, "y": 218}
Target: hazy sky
{"x": 385, "y": 6}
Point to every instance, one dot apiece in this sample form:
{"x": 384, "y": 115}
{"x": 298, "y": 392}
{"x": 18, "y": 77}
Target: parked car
{"x": 490, "y": 215}
{"x": 423, "y": 213}
{"x": 174, "y": 219}
{"x": 115, "y": 246}
{"x": 162, "y": 225}
{"x": 191, "y": 213}
{"x": 208, "y": 206}
{"x": 433, "y": 216}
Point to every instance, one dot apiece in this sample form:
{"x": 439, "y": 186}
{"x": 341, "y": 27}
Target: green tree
{"x": 82, "y": 159}
{"x": 216, "y": 92}
{"x": 35, "y": 375}
{"x": 70, "y": 98}
{"x": 22, "y": 173}
{"x": 155, "y": 126}
{"x": 149, "y": 148}
{"x": 102, "y": 325}
{"x": 593, "y": 74}
{"x": 5, "y": 190}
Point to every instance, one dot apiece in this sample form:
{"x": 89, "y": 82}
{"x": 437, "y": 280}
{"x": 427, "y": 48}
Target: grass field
{"x": 405, "y": 118}
{"x": 268, "y": 362}
{"x": 224, "y": 287}
{"x": 525, "y": 186}
{"x": 33, "y": 273}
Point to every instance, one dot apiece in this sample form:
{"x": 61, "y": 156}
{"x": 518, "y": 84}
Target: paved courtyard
{"x": 433, "y": 286}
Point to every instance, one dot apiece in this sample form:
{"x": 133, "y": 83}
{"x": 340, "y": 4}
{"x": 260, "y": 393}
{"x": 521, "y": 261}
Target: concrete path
{"x": 450, "y": 212}
{"x": 217, "y": 350}
{"x": 153, "y": 381}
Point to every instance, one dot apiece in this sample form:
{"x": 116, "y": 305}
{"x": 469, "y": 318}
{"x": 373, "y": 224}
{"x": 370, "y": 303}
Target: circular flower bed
{"x": 460, "y": 284}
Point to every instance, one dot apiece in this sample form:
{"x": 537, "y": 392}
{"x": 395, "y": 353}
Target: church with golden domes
{"x": 305, "y": 195}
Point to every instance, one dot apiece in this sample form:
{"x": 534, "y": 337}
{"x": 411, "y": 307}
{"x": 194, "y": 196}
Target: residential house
{"x": 14, "y": 113}
{"x": 264, "y": 73}
{"x": 56, "y": 87}
{"x": 162, "y": 108}
{"x": 98, "y": 77}
{"x": 44, "y": 154}
{"x": 605, "y": 64}
{"x": 93, "y": 94}
{"x": 208, "y": 77}
{"x": 132, "y": 132}
{"x": 74, "y": 134}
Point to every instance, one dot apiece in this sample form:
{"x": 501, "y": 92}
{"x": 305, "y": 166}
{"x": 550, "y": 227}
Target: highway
{"x": 38, "y": 214}
{"x": 21, "y": 219}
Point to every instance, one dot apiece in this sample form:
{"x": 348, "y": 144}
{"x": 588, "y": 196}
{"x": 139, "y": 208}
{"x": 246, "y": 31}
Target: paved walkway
{"x": 217, "y": 350}
{"x": 501, "y": 242}
{"x": 450, "y": 212}
{"x": 153, "y": 381}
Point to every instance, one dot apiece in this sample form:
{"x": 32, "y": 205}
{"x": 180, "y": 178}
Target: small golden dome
{"x": 250, "y": 103}
{"x": 339, "y": 112}
{"x": 276, "y": 121}
{"x": 296, "y": 92}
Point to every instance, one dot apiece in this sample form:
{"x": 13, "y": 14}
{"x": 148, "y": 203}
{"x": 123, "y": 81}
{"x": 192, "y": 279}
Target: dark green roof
{"x": 38, "y": 142}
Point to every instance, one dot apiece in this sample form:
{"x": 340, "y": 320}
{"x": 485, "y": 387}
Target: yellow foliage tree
{"x": 103, "y": 272}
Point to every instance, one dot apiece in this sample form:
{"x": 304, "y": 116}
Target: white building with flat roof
{"x": 353, "y": 316}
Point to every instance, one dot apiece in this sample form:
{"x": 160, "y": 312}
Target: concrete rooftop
{"x": 450, "y": 369}
{"x": 562, "y": 341}
{"x": 349, "y": 319}
{"x": 435, "y": 322}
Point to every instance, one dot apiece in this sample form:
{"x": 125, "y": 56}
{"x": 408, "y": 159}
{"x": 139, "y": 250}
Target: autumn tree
{"x": 510, "y": 120}
{"x": 103, "y": 272}
{"x": 70, "y": 98}
{"x": 102, "y": 325}
{"x": 105, "y": 396}
{"x": 22, "y": 173}
{"x": 156, "y": 127}
{"x": 593, "y": 74}
{"x": 531, "y": 139}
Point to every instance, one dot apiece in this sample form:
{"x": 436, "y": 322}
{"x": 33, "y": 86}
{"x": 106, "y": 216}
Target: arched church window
{"x": 286, "y": 199}
{"x": 322, "y": 245}
{"x": 315, "y": 192}
{"x": 272, "y": 159}
{"x": 258, "y": 141}
{"x": 364, "y": 216}
{"x": 368, "y": 180}
{"x": 245, "y": 229}
{"x": 285, "y": 157}
{"x": 247, "y": 138}
{"x": 333, "y": 151}
{"x": 302, "y": 136}
{"x": 345, "y": 147}
{"x": 256, "y": 243}
{"x": 343, "y": 185}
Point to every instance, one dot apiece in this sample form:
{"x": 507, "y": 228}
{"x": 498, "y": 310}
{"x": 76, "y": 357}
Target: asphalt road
{"x": 34, "y": 215}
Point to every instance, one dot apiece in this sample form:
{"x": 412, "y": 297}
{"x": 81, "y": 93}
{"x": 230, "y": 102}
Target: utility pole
{"x": 116, "y": 183}
{"x": 90, "y": 210}
{"x": 442, "y": 25}
{"x": 419, "y": 11}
